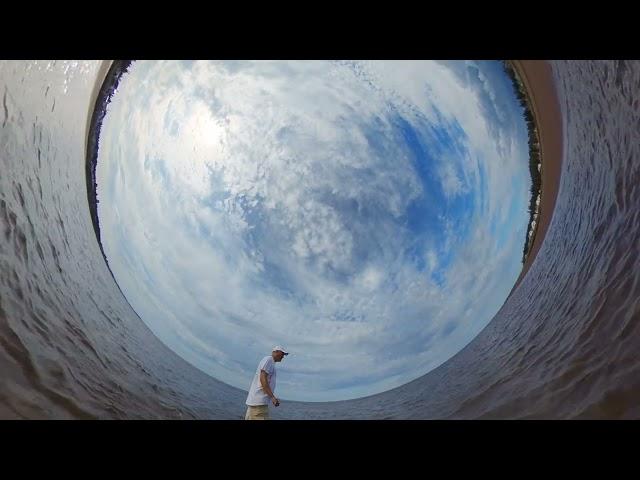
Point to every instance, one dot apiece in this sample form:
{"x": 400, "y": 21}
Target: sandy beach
{"x": 100, "y": 76}
{"x": 538, "y": 80}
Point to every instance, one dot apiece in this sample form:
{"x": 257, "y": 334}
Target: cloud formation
{"x": 368, "y": 215}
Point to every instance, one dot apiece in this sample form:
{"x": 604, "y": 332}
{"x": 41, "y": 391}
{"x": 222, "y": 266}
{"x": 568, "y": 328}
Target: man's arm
{"x": 265, "y": 386}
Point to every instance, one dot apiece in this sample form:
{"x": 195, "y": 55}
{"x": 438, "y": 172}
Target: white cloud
{"x": 451, "y": 184}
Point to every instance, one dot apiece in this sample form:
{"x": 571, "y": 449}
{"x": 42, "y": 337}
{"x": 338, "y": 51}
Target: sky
{"x": 368, "y": 215}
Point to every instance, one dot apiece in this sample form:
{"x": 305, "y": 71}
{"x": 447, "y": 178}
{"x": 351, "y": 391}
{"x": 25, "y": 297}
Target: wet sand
{"x": 100, "y": 76}
{"x": 538, "y": 80}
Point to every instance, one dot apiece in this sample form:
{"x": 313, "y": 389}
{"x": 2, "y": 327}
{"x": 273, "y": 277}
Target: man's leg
{"x": 258, "y": 412}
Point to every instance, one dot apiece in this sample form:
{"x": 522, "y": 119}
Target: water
{"x": 70, "y": 345}
{"x": 563, "y": 345}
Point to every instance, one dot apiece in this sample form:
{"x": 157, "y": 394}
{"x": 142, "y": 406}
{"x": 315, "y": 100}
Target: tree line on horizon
{"x": 535, "y": 157}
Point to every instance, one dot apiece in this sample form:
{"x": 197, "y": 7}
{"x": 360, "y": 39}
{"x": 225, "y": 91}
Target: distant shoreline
{"x": 107, "y": 82}
{"x": 535, "y": 160}
{"x": 537, "y": 78}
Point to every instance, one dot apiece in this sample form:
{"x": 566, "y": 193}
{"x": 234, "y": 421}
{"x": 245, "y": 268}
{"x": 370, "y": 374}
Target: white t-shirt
{"x": 257, "y": 395}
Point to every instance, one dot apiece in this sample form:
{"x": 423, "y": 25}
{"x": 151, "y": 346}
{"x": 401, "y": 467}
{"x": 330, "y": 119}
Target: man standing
{"x": 263, "y": 386}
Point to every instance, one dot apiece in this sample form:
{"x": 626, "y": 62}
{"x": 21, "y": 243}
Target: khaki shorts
{"x": 258, "y": 412}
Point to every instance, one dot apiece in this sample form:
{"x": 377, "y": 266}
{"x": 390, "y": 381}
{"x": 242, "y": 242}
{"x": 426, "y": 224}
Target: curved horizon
{"x": 375, "y": 242}
{"x": 561, "y": 346}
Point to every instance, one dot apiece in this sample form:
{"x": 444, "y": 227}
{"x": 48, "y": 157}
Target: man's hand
{"x": 275, "y": 401}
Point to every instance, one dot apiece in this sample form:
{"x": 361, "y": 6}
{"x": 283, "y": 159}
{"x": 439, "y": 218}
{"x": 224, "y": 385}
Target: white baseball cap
{"x": 280, "y": 348}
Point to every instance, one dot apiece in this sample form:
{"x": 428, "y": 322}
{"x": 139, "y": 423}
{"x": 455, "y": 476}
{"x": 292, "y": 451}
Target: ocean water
{"x": 564, "y": 345}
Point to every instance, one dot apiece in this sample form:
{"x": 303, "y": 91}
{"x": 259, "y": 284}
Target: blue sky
{"x": 370, "y": 216}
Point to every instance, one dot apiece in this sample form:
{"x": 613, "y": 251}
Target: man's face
{"x": 278, "y": 356}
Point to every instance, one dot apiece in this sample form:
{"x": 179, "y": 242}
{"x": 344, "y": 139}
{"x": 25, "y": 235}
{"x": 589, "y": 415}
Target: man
{"x": 263, "y": 385}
